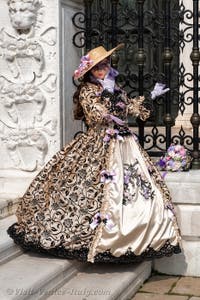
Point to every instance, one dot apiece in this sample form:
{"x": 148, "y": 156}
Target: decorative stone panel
{"x": 37, "y": 60}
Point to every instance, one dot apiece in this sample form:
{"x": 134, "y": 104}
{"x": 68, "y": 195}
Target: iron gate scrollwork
{"x": 150, "y": 30}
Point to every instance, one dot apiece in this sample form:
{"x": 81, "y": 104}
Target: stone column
{"x": 185, "y": 62}
{"x": 37, "y": 60}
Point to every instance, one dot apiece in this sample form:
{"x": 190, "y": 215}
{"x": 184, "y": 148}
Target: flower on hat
{"x": 93, "y": 57}
{"x": 85, "y": 64}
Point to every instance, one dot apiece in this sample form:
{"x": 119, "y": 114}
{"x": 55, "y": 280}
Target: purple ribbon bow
{"x": 117, "y": 120}
{"x": 97, "y": 219}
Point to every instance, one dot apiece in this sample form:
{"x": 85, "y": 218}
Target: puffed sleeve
{"x": 136, "y": 108}
{"x": 94, "y": 111}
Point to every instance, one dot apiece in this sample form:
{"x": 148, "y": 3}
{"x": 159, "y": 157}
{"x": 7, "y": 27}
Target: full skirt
{"x": 99, "y": 199}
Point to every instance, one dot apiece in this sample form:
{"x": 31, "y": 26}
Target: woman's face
{"x": 101, "y": 69}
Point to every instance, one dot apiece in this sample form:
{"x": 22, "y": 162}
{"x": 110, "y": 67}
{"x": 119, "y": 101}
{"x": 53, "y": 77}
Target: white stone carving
{"x": 23, "y": 52}
{"x": 49, "y": 36}
{"x": 26, "y": 90}
{"x": 23, "y": 55}
{"x": 22, "y": 124}
{"x": 23, "y": 14}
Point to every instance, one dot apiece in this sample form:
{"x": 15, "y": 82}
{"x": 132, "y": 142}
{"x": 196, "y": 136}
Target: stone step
{"x": 32, "y": 276}
{"x": 28, "y": 276}
{"x": 8, "y": 206}
{"x": 13, "y": 184}
{"x": 107, "y": 282}
{"x": 8, "y": 249}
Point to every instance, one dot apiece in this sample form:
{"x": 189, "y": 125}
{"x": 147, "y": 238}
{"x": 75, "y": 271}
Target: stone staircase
{"x": 185, "y": 191}
{"x": 32, "y": 276}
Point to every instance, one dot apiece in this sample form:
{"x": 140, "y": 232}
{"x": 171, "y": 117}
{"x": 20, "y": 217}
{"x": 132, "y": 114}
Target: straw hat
{"x": 93, "y": 57}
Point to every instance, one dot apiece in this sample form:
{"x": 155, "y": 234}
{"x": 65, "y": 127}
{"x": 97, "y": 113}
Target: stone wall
{"x": 185, "y": 191}
{"x": 37, "y": 59}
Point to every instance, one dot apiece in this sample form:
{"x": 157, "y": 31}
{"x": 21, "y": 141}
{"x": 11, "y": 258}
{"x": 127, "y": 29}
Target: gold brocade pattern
{"x": 61, "y": 200}
{"x": 103, "y": 210}
{"x": 95, "y": 109}
{"x": 135, "y": 107}
{"x": 77, "y": 203}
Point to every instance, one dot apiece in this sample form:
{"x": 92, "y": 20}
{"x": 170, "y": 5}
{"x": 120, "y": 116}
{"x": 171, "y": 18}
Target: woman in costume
{"x": 100, "y": 198}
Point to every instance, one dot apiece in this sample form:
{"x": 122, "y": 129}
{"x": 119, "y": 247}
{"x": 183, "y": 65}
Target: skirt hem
{"x": 82, "y": 253}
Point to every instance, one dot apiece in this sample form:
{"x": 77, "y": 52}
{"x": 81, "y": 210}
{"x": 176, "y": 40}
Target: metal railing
{"x": 153, "y": 41}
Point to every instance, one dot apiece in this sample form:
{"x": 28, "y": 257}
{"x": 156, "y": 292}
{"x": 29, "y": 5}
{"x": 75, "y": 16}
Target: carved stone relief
{"x": 23, "y": 14}
{"x": 24, "y": 56}
{"x": 25, "y": 127}
{"x": 23, "y": 123}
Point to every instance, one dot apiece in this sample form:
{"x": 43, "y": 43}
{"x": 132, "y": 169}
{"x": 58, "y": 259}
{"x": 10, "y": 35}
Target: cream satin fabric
{"x": 142, "y": 222}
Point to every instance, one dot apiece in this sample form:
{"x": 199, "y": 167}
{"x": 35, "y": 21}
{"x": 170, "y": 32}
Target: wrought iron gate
{"x": 153, "y": 41}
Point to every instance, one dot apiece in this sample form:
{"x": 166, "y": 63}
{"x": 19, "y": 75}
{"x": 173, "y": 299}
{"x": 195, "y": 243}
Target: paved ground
{"x": 163, "y": 287}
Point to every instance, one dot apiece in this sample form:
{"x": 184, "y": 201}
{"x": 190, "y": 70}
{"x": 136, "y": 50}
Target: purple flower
{"x": 107, "y": 176}
{"x": 108, "y": 222}
{"x": 85, "y": 64}
{"x": 171, "y": 148}
{"x": 162, "y": 163}
{"x": 121, "y": 104}
{"x": 112, "y": 133}
{"x": 171, "y": 163}
{"x": 127, "y": 177}
{"x": 85, "y": 58}
{"x": 95, "y": 221}
{"x": 98, "y": 218}
{"x": 175, "y": 159}
{"x": 183, "y": 163}
{"x": 146, "y": 195}
{"x": 106, "y": 138}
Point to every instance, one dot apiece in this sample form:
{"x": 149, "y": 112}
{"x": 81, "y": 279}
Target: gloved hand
{"x": 159, "y": 89}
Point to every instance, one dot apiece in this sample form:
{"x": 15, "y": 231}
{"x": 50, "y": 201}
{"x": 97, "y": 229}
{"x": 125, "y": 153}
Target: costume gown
{"x": 100, "y": 198}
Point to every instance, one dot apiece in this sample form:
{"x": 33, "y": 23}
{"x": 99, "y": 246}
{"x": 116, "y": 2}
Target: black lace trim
{"x": 123, "y": 131}
{"x": 81, "y": 254}
{"x": 114, "y": 100}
